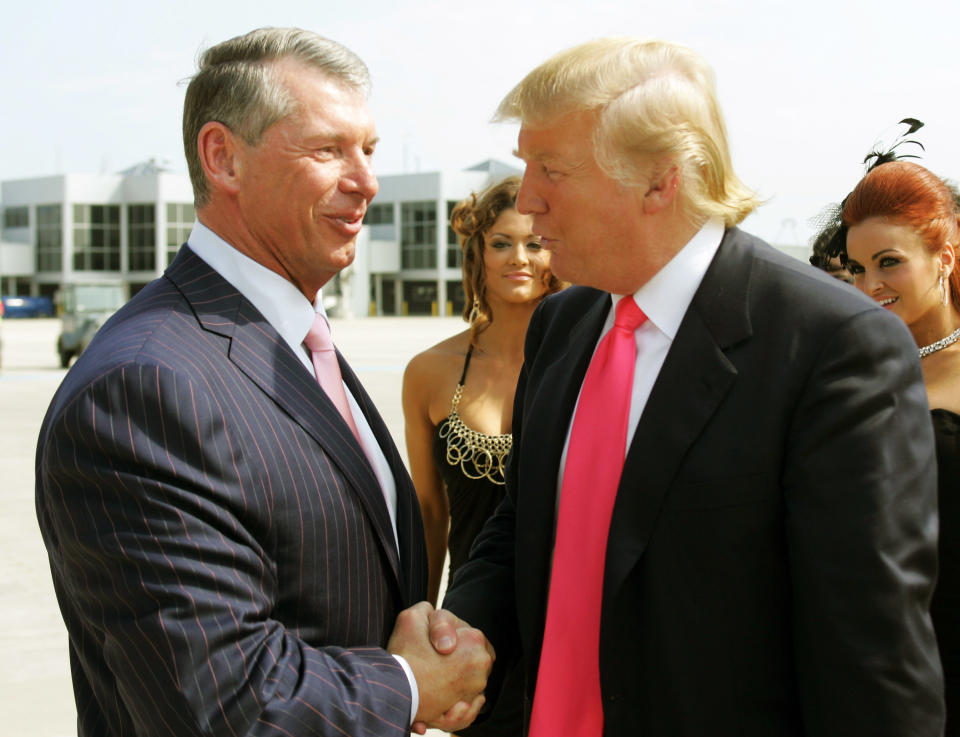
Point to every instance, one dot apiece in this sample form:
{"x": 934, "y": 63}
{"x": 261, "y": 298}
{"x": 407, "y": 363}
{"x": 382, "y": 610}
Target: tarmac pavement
{"x": 35, "y": 688}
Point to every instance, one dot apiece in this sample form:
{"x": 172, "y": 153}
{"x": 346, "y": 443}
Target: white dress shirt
{"x": 664, "y": 300}
{"x": 291, "y": 315}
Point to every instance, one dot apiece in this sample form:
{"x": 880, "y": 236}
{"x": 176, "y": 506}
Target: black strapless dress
{"x": 471, "y": 465}
{"x": 945, "y": 608}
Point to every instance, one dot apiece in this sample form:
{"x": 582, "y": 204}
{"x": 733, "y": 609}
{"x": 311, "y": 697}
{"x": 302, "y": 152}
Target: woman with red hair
{"x": 901, "y": 247}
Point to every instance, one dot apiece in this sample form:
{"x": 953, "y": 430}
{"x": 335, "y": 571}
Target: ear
{"x": 218, "y": 148}
{"x": 948, "y": 258}
{"x": 662, "y": 191}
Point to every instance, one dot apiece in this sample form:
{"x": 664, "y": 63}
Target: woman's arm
{"x": 418, "y": 384}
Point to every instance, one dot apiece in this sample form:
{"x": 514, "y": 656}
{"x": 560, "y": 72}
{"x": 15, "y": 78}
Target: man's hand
{"x": 450, "y": 678}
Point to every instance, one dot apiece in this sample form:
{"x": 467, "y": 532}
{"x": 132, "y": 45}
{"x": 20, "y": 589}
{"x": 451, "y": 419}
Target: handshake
{"x": 450, "y": 661}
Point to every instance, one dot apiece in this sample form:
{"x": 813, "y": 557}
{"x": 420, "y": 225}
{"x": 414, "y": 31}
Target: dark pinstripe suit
{"x": 220, "y": 546}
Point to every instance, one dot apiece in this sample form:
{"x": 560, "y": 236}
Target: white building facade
{"x": 411, "y": 264}
{"x": 120, "y": 229}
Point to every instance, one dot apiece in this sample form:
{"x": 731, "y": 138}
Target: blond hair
{"x": 653, "y": 100}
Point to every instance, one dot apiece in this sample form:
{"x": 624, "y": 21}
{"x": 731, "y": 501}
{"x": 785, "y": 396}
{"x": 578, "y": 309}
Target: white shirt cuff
{"x": 414, "y": 691}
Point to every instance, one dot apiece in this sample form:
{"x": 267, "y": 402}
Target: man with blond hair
{"x": 721, "y": 508}
{"x": 235, "y": 543}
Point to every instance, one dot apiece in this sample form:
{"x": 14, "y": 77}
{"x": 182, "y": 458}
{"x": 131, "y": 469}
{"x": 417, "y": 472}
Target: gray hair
{"x": 235, "y": 84}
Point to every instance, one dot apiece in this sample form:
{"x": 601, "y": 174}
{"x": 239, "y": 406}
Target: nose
{"x": 358, "y": 177}
{"x": 870, "y": 282}
{"x": 528, "y": 201}
{"x": 519, "y": 255}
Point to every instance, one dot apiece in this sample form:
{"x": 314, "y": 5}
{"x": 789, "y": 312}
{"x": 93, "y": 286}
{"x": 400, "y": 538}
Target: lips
{"x": 886, "y": 301}
{"x": 518, "y": 276}
{"x": 348, "y": 223}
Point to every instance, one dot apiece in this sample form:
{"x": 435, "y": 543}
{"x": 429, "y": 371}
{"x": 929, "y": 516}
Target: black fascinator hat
{"x": 830, "y": 241}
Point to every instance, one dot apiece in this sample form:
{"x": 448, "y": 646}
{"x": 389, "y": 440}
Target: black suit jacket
{"x": 772, "y": 551}
{"x": 220, "y": 546}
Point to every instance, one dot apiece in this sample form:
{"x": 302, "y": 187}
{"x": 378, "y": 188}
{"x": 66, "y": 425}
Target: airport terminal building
{"x": 124, "y": 228}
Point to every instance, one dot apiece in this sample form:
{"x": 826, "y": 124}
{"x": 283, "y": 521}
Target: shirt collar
{"x": 665, "y": 298}
{"x": 278, "y": 300}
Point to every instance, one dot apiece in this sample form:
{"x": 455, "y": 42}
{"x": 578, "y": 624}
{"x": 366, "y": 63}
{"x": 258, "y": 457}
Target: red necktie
{"x": 567, "y": 701}
{"x": 325, "y": 363}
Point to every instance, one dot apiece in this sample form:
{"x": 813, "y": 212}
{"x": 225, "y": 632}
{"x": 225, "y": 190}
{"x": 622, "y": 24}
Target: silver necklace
{"x": 940, "y": 344}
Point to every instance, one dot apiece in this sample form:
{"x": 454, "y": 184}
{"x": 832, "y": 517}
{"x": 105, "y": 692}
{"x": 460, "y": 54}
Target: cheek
{"x": 917, "y": 281}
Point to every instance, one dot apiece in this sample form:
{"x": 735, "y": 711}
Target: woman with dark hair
{"x": 903, "y": 230}
{"x": 458, "y": 395}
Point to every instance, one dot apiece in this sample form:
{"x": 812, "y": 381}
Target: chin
{"x": 564, "y": 274}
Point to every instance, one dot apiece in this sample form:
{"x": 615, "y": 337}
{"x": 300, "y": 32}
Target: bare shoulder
{"x": 434, "y": 366}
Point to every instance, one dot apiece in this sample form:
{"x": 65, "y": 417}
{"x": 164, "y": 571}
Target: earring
{"x": 475, "y": 310}
{"x": 943, "y": 290}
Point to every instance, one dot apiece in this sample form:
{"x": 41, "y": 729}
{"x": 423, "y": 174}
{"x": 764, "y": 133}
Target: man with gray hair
{"x": 721, "y": 502}
{"x": 235, "y": 544}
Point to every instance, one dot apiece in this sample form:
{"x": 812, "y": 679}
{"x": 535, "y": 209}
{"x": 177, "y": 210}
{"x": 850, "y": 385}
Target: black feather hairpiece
{"x": 831, "y": 239}
{"x": 891, "y": 154}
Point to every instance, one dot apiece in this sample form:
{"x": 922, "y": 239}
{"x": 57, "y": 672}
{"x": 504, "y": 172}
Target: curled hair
{"x": 653, "y": 101}
{"x": 826, "y": 246}
{"x": 236, "y": 85}
{"x": 471, "y": 219}
{"x": 908, "y": 194}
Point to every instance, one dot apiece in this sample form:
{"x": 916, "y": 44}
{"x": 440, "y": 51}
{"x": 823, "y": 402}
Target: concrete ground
{"x": 35, "y": 689}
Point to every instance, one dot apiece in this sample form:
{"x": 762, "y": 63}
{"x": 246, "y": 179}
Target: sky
{"x": 807, "y": 88}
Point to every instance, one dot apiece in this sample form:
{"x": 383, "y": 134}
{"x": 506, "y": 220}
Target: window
{"x": 456, "y": 297}
{"x": 388, "y": 305}
{"x": 420, "y": 297}
{"x": 418, "y": 235}
{"x": 49, "y": 238}
{"x": 96, "y": 237}
{"x": 379, "y": 215}
{"x": 141, "y": 237}
{"x": 16, "y": 217}
{"x": 454, "y": 252}
{"x": 180, "y": 217}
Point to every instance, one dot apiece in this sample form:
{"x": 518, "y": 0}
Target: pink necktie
{"x": 325, "y": 363}
{"x": 567, "y": 701}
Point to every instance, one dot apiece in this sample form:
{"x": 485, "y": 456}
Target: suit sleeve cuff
{"x": 414, "y": 691}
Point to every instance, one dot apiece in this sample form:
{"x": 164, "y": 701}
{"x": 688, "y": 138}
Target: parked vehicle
{"x": 27, "y": 307}
{"x": 85, "y": 308}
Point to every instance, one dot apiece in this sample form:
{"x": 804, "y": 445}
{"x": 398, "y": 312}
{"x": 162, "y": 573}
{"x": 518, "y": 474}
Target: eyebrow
{"x": 330, "y": 136}
{"x": 877, "y": 255}
{"x": 507, "y": 235}
{"x": 536, "y": 156}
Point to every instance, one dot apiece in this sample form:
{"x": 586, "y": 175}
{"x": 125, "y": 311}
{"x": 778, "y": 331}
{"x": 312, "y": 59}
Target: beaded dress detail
{"x": 478, "y": 455}
{"x": 472, "y": 467}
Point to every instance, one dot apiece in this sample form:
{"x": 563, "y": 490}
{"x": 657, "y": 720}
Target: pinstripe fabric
{"x": 219, "y": 544}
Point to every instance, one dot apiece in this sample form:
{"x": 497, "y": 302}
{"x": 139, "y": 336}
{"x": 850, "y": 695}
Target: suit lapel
{"x": 258, "y": 351}
{"x": 693, "y": 381}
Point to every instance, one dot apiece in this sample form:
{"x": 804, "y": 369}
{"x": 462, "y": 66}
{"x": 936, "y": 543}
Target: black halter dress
{"x": 471, "y": 465}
